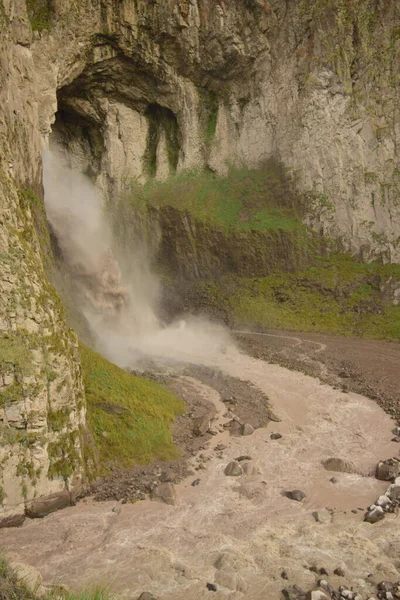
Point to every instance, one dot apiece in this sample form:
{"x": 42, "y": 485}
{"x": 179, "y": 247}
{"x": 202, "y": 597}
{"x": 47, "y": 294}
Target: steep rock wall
{"x": 143, "y": 88}
{"x": 42, "y": 411}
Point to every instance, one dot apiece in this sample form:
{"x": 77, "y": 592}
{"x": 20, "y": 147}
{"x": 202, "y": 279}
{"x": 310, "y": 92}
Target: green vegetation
{"x": 13, "y": 587}
{"x": 129, "y": 416}
{"x": 244, "y": 200}
{"x": 39, "y": 14}
{"x": 161, "y": 120}
{"x": 336, "y": 295}
{"x": 209, "y": 107}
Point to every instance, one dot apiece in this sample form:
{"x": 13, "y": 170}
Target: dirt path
{"x": 239, "y": 533}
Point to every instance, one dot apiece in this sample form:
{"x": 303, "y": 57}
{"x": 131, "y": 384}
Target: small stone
{"x": 220, "y": 447}
{"x": 247, "y": 429}
{"x": 385, "y": 586}
{"x": 244, "y": 457}
{"x": 284, "y": 575}
{"x": 333, "y": 480}
{"x": 275, "y": 436}
{"x": 195, "y": 482}
{"x": 146, "y": 596}
{"x": 339, "y": 572}
{"x": 211, "y": 587}
{"x": 201, "y": 425}
{"x": 248, "y": 468}
{"x": 396, "y": 431}
{"x": 396, "y": 439}
{"x": 339, "y": 465}
{"x": 233, "y": 469}
{"x": 322, "y": 583}
{"x": 323, "y": 571}
{"x": 297, "y": 495}
{"x": 394, "y": 491}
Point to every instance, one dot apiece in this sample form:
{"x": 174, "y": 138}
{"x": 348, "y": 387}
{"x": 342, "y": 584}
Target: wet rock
{"x": 294, "y": 592}
{"x": 388, "y": 469}
{"x": 339, "y": 465}
{"x": 211, "y": 587}
{"x": 339, "y": 572}
{"x": 384, "y": 500}
{"x": 374, "y": 515}
{"x": 247, "y": 429}
{"x": 318, "y": 594}
{"x": 385, "y": 586}
{"x": 275, "y": 436}
{"x": 146, "y": 596}
{"x": 167, "y": 475}
{"x": 42, "y": 507}
{"x": 201, "y": 425}
{"x": 297, "y": 495}
{"x": 233, "y": 469}
{"x": 12, "y": 521}
{"x": 165, "y": 492}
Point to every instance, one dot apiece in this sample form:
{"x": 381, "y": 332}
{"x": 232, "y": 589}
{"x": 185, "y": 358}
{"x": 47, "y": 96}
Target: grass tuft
{"x": 129, "y": 416}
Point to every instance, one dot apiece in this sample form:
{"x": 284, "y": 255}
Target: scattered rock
{"x": 146, "y": 596}
{"x": 233, "y": 469}
{"x": 339, "y": 572}
{"x": 323, "y": 571}
{"x": 297, "y": 495}
{"x": 211, "y": 587}
{"x": 284, "y": 575}
{"x": 201, "y": 425}
{"x": 393, "y": 491}
{"x": 322, "y": 583}
{"x": 220, "y": 447}
{"x": 339, "y": 465}
{"x": 165, "y": 492}
{"x": 318, "y": 594}
{"x": 322, "y": 516}
{"x": 294, "y": 592}
{"x": 396, "y": 439}
{"x": 44, "y": 506}
{"x": 247, "y": 429}
{"x": 196, "y": 482}
{"x": 168, "y": 475}
{"x": 275, "y": 436}
{"x": 12, "y": 521}
{"x": 244, "y": 457}
{"x": 388, "y": 469}
{"x": 374, "y": 515}
{"x": 385, "y": 586}
{"x": 384, "y": 500}
{"x": 248, "y": 469}
{"x": 334, "y": 480}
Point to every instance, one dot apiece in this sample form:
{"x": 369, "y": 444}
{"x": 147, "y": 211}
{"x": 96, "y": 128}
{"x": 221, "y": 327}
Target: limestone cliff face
{"x": 41, "y": 395}
{"x": 138, "y": 88}
{"x": 144, "y": 88}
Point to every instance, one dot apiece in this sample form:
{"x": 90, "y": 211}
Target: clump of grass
{"x": 129, "y": 416}
{"x": 245, "y": 199}
{"x": 39, "y": 14}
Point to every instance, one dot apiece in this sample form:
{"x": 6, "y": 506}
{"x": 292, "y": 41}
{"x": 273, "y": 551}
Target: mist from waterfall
{"x": 116, "y": 293}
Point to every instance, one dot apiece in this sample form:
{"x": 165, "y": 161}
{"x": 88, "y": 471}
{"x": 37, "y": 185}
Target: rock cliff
{"x": 135, "y": 88}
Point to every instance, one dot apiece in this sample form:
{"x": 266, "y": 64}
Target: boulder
{"x": 165, "y": 492}
{"x": 294, "y": 592}
{"x": 247, "y": 429}
{"x": 384, "y": 500}
{"x": 339, "y": 465}
{"x": 297, "y": 495}
{"x": 41, "y": 507}
{"x": 12, "y": 521}
{"x": 167, "y": 475}
{"x": 374, "y": 515}
{"x": 201, "y": 425}
{"x": 388, "y": 469}
{"x": 233, "y": 469}
{"x": 318, "y": 594}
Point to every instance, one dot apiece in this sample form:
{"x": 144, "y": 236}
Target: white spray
{"x": 118, "y": 303}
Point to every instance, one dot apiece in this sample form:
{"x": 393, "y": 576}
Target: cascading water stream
{"x": 116, "y": 296}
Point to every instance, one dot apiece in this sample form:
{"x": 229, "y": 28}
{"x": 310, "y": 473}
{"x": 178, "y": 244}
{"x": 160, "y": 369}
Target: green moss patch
{"x": 245, "y": 200}
{"x": 337, "y": 295}
{"x": 129, "y": 416}
{"x": 39, "y": 14}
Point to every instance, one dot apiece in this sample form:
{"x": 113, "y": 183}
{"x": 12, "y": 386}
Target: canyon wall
{"x": 134, "y": 89}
